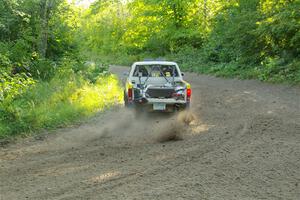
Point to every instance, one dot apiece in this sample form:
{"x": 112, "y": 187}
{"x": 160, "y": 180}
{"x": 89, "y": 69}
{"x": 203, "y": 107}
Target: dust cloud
{"x": 151, "y": 127}
{"x": 125, "y": 126}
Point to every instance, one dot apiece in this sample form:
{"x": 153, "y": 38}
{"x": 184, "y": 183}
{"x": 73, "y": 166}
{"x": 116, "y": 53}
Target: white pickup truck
{"x": 156, "y": 86}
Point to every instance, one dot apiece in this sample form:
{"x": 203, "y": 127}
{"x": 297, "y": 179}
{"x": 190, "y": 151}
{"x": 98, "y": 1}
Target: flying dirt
{"x": 240, "y": 140}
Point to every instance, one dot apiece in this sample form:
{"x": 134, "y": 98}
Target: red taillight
{"x": 188, "y": 94}
{"x": 130, "y": 94}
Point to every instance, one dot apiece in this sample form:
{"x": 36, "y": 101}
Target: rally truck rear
{"x": 156, "y": 86}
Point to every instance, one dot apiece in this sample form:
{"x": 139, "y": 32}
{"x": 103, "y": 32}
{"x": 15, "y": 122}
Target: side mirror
{"x": 182, "y": 74}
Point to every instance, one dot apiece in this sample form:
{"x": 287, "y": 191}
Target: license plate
{"x": 159, "y": 106}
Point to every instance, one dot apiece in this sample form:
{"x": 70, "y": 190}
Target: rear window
{"x": 155, "y": 71}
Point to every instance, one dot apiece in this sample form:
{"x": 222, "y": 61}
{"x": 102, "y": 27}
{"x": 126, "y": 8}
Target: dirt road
{"x": 244, "y": 144}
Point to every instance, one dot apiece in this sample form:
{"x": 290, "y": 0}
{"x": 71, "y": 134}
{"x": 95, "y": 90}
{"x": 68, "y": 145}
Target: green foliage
{"x": 233, "y": 37}
{"x": 276, "y": 70}
{"x": 44, "y": 82}
{"x": 66, "y": 98}
{"x": 279, "y": 30}
{"x": 12, "y": 86}
{"x": 259, "y": 37}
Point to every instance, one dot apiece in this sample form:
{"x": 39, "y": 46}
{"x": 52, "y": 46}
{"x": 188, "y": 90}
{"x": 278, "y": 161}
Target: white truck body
{"x": 156, "y": 86}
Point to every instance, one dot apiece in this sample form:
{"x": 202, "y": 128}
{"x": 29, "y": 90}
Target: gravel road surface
{"x": 242, "y": 142}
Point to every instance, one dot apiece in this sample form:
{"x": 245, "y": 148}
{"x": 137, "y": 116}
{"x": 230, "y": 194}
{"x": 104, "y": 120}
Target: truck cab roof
{"x": 154, "y": 63}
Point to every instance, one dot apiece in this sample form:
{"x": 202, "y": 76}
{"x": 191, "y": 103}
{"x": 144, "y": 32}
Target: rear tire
{"x": 125, "y": 99}
{"x": 187, "y": 106}
{"x": 182, "y": 107}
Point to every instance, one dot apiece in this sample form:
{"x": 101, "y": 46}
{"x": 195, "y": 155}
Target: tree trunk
{"x": 45, "y": 13}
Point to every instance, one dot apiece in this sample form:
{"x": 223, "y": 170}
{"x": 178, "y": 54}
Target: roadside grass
{"x": 272, "y": 70}
{"x": 275, "y": 70}
{"x": 63, "y": 100}
{"x": 276, "y": 74}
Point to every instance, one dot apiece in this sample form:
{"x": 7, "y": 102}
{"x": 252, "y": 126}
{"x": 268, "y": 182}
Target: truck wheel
{"x": 187, "y": 106}
{"x": 184, "y": 107}
{"x": 125, "y": 99}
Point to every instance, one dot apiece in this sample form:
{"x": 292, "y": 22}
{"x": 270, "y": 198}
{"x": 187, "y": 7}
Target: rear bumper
{"x": 166, "y": 101}
{"x": 171, "y": 104}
